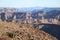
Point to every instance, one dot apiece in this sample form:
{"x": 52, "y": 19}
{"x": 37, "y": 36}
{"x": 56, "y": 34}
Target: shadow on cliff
{"x": 52, "y": 29}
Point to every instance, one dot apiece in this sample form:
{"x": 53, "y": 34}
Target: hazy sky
{"x": 29, "y": 3}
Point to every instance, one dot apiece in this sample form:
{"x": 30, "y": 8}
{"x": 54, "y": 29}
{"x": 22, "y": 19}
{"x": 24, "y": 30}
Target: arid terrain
{"x": 12, "y": 31}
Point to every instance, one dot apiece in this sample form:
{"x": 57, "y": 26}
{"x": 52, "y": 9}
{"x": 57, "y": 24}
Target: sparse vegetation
{"x": 10, "y": 34}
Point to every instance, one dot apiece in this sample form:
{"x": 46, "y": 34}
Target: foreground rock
{"x": 11, "y": 31}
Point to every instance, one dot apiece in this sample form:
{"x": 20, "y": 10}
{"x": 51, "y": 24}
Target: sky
{"x": 29, "y": 3}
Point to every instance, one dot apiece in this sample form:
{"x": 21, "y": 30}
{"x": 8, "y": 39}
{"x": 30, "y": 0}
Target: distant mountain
{"x": 36, "y": 9}
{"x": 30, "y": 9}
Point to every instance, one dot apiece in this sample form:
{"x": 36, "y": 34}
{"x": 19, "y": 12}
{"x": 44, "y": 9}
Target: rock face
{"x": 11, "y": 31}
